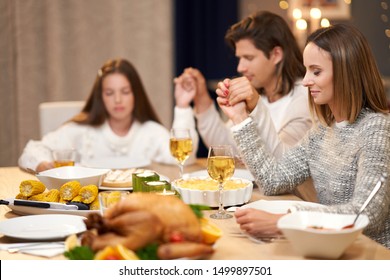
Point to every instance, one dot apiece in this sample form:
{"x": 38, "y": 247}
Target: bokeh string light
{"x": 308, "y": 16}
{"x": 384, "y": 17}
{"x": 283, "y": 4}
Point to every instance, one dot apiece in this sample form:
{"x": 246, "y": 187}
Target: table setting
{"x": 44, "y": 229}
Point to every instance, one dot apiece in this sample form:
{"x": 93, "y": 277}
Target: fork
{"x": 261, "y": 239}
{"x": 265, "y": 239}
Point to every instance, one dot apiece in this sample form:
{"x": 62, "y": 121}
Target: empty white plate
{"x": 43, "y": 227}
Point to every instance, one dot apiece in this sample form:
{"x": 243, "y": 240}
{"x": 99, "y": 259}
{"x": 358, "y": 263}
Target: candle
{"x": 145, "y": 176}
{"x": 155, "y": 186}
{"x": 166, "y": 192}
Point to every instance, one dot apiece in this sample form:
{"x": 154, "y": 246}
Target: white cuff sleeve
{"x": 241, "y": 124}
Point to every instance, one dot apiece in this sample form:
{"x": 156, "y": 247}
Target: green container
{"x": 155, "y": 186}
{"x": 145, "y": 176}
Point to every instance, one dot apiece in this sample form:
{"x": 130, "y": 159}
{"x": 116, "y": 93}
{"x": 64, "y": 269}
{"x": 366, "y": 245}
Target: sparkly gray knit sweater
{"x": 345, "y": 163}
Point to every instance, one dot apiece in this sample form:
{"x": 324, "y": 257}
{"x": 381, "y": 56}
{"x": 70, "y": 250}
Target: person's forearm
{"x": 202, "y": 102}
{"x": 213, "y": 129}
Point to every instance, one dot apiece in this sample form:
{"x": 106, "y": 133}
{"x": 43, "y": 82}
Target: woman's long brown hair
{"x": 357, "y": 83}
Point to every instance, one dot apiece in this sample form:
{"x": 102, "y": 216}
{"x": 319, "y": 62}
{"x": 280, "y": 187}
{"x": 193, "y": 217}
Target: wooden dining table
{"x": 233, "y": 245}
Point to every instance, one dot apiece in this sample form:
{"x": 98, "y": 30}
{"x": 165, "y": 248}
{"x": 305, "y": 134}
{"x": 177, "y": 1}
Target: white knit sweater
{"x": 101, "y": 147}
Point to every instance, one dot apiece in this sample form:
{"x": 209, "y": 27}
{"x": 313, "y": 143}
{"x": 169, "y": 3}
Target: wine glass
{"x": 181, "y": 146}
{"x": 220, "y": 166}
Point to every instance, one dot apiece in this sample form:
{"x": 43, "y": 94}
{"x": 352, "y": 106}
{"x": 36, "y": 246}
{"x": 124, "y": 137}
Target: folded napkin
{"x": 42, "y": 249}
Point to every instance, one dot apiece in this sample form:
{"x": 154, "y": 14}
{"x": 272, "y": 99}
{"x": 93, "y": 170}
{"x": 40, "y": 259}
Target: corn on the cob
{"x": 37, "y": 197}
{"x": 52, "y": 196}
{"x": 69, "y": 190}
{"x": 95, "y": 205}
{"x": 88, "y": 193}
{"x": 21, "y": 196}
{"x": 77, "y": 198}
{"x": 111, "y": 198}
{"x": 62, "y": 200}
{"x": 31, "y": 187}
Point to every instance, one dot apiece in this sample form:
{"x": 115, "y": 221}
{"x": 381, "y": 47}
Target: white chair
{"x": 53, "y": 114}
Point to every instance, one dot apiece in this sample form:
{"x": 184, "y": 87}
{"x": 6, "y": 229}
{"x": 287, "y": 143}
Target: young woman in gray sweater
{"x": 345, "y": 154}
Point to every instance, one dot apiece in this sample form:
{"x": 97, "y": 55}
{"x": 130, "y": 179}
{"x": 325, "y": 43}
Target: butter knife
{"x": 38, "y": 204}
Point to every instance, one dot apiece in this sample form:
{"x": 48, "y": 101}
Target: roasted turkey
{"x": 144, "y": 218}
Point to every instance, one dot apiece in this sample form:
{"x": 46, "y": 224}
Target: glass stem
{"x": 220, "y": 189}
{"x": 181, "y": 168}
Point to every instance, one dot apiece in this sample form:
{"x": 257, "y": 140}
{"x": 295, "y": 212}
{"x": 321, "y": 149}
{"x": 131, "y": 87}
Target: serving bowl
{"x": 321, "y": 235}
{"x": 56, "y": 177}
{"x": 204, "y": 191}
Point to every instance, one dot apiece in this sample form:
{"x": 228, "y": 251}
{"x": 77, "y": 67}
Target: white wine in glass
{"x": 220, "y": 166}
{"x": 180, "y": 146}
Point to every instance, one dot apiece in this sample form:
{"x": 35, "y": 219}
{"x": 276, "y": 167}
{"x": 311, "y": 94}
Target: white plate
{"x": 116, "y": 163}
{"x": 42, "y": 227}
{"x": 238, "y": 173}
{"x": 278, "y": 206}
{"x": 26, "y": 210}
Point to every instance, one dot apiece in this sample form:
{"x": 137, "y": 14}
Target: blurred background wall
{"x": 52, "y": 49}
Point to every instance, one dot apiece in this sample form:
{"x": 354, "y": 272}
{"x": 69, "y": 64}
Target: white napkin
{"x": 48, "y": 250}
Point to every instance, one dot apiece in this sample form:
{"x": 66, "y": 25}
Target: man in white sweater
{"x": 270, "y": 62}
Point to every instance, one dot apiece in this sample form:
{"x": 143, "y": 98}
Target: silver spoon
{"x": 373, "y": 192}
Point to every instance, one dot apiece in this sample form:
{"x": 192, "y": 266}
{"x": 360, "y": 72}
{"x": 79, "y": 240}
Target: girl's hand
{"x": 44, "y": 165}
{"x": 185, "y": 90}
{"x": 202, "y": 99}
